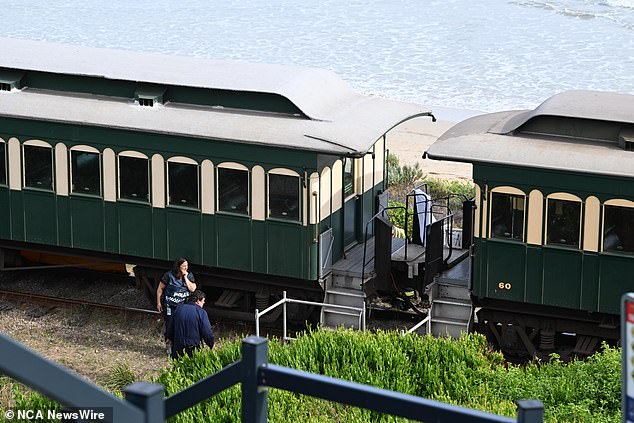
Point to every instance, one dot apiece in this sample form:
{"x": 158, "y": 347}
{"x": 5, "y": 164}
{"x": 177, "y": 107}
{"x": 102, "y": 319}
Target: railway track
{"x": 46, "y": 300}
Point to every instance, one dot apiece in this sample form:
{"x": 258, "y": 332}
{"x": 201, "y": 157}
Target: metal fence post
{"x": 284, "y": 317}
{"x": 149, "y": 398}
{"x": 255, "y": 353}
{"x": 530, "y": 411}
{"x": 257, "y": 322}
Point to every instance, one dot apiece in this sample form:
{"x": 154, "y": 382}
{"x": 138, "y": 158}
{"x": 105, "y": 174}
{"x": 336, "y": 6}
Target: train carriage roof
{"x": 575, "y": 131}
{"x": 336, "y": 118}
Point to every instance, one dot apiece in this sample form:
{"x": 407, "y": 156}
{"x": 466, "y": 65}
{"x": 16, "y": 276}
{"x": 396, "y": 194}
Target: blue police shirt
{"x": 175, "y": 291}
{"x": 189, "y": 327}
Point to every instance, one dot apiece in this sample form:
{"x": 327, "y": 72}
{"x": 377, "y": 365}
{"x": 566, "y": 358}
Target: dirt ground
{"x": 91, "y": 342}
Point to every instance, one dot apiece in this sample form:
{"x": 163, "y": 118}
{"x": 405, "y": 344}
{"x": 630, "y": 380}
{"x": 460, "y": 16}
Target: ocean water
{"x": 461, "y": 54}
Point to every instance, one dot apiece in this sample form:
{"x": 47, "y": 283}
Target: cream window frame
{"x": 285, "y": 172}
{"x": 615, "y": 202}
{"x": 566, "y": 197}
{"x": 535, "y": 221}
{"x": 235, "y": 166}
{"x": 337, "y": 186}
{"x": 135, "y": 155}
{"x": 188, "y": 161}
{"x": 86, "y": 149}
{"x": 325, "y": 195}
{"x": 14, "y": 160}
{"x": 591, "y": 224}
{"x": 207, "y": 187}
{"x": 510, "y": 191}
{"x": 44, "y": 144}
{"x": 158, "y": 181}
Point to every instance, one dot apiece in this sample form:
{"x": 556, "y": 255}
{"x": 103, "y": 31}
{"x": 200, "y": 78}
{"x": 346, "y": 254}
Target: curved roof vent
{"x": 626, "y": 139}
{"x": 149, "y": 95}
{"x": 10, "y": 80}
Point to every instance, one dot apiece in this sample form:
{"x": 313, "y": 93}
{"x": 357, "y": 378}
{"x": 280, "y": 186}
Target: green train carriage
{"x": 143, "y": 158}
{"x": 554, "y": 225}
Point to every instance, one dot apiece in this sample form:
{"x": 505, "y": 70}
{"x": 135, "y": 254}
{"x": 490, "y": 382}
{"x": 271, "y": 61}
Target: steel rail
{"x": 9, "y": 295}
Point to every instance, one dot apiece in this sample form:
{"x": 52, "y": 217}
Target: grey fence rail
{"x": 144, "y": 402}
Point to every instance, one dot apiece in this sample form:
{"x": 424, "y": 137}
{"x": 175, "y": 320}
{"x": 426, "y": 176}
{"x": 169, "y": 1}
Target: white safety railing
{"x": 425, "y": 321}
{"x": 285, "y": 300}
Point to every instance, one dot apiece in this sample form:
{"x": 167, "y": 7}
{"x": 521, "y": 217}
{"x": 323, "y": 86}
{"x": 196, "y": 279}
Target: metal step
{"x": 452, "y": 308}
{"x": 441, "y": 327}
{"x": 344, "y": 296}
{"x": 449, "y": 291}
{"x": 346, "y": 281}
{"x": 332, "y": 317}
{"x": 338, "y": 296}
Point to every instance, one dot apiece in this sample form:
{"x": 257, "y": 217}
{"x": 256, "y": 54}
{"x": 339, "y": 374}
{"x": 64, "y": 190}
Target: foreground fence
{"x": 144, "y": 402}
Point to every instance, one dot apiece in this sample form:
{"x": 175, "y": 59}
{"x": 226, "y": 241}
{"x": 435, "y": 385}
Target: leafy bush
{"x": 462, "y": 372}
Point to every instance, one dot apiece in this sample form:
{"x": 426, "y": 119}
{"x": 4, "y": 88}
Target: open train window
{"x": 85, "y": 172}
{"x": 233, "y": 190}
{"x": 618, "y": 229}
{"x": 348, "y": 177}
{"x": 183, "y": 184}
{"x": 507, "y": 216}
{"x": 284, "y": 197}
{"x": 564, "y": 223}
{"x": 38, "y": 167}
{"x": 3, "y": 163}
{"x": 134, "y": 178}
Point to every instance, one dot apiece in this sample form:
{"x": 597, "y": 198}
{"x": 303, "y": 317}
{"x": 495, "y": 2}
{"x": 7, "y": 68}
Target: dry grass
{"x": 94, "y": 343}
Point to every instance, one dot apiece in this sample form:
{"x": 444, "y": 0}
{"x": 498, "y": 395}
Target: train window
{"x": 38, "y": 167}
{"x": 348, "y": 177}
{"x": 233, "y": 190}
{"x": 3, "y": 164}
{"x": 183, "y": 184}
{"x": 564, "y": 222}
{"x": 134, "y": 178}
{"x": 507, "y": 216}
{"x": 618, "y": 229}
{"x": 85, "y": 172}
{"x": 284, "y": 197}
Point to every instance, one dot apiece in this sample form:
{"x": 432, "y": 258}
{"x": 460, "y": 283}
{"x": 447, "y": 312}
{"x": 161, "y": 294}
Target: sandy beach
{"x": 410, "y": 140}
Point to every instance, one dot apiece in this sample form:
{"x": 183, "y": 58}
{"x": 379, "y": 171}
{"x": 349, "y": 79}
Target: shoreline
{"x": 411, "y": 139}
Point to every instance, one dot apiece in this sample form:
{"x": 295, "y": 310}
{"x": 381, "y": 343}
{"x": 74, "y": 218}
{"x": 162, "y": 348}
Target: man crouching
{"x": 189, "y": 326}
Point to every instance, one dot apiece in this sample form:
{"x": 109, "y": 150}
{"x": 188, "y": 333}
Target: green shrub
{"x": 462, "y": 372}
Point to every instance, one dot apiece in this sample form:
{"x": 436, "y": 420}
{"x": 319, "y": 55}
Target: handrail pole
{"x": 365, "y": 245}
{"x": 284, "y": 316}
{"x": 363, "y": 320}
{"x": 406, "y": 223}
{"x": 257, "y": 322}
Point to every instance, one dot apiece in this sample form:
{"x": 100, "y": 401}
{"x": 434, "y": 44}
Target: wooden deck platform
{"x": 353, "y": 262}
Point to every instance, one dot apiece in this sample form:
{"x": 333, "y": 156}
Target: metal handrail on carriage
{"x": 285, "y": 300}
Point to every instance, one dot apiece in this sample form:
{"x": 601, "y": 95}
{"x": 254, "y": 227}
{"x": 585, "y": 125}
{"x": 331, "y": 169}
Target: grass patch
{"x": 463, "y": 372}
{"x": 460, "y": 372}
{"x": 118, "y": 378}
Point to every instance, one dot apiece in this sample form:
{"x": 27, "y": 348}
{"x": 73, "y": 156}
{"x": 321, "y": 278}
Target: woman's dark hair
{"x": 178, "y": 262}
